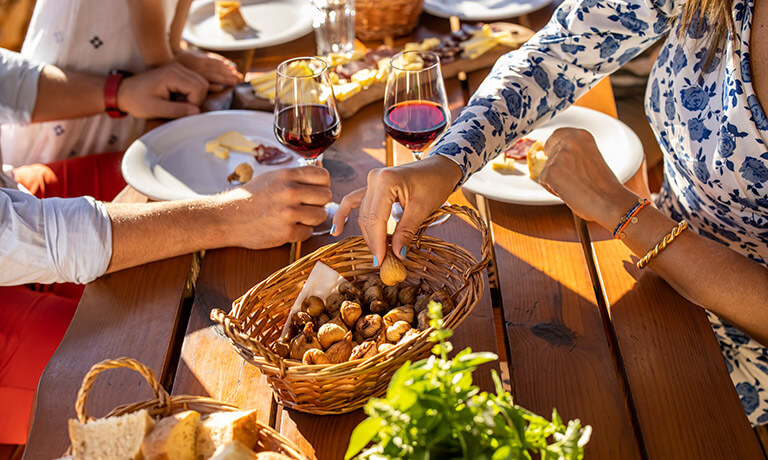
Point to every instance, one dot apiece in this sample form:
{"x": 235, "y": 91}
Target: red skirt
{"x": 33, "y": 319}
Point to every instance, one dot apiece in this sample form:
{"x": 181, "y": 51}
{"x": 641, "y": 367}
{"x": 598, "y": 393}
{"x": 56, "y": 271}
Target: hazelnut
{"x": 392, "y": 271}
{"x": 340, "y": 351}
{"x": 333, "y": 302}
{"x": 372, "y": 294}
{"x": 369, "y": 325}
{"x": 396, "y": 331}
{"x": 407, "y": 295}
{"x": 378, "y": 307}
{"x": 313, "y": 305}
{"x": 315, "y": 356}
{"x": 364, "y": 350}
{"x": 350, "y": 312}
{"x": 405, "y": 313}
{"x": 329, "y": 334}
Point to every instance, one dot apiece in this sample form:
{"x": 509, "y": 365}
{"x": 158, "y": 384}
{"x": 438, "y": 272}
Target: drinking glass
{"x": 415, "y": 104}
{"x": 306, "y": 118}
{"x": 334, "y": 23}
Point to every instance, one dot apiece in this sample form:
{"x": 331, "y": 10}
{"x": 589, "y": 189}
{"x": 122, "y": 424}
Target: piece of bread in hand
{"x": 536, "y": 159}
{"x": 117, "y": 438}
{"x": 173, "y": 438}
{"x": 222, "y": 428}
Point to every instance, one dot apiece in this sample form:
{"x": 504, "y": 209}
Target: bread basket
{"x": 257, "y": 318}
{"x": 163, "y": 405}
{"x": 375, "y": 20}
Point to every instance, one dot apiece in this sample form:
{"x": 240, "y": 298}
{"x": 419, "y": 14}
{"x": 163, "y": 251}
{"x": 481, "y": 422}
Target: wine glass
{"x": 415, "y": 104}
{"x": 306, "y": 118}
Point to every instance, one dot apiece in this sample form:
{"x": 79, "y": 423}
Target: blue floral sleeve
{"x": 584, "y": 41}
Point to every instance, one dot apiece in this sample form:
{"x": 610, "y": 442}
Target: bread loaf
{"x": 117, "y": 438}
{"x": 221, "y": 428}
{"x": 173, "y": 438}
{"x": 234, "y": 451}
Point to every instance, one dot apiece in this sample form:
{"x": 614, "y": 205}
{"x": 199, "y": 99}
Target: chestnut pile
{"x": 363, "y": 318}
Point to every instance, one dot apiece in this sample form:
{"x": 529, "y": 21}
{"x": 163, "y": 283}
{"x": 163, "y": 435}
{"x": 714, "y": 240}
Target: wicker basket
{"x": 375, "y": 20}
{"x": 257, "y": 318}
{"x": 164, "y": 405}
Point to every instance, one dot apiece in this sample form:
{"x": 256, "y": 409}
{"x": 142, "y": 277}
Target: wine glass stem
{"x": 417, "y": 154}
{"x": 317, "y": 161}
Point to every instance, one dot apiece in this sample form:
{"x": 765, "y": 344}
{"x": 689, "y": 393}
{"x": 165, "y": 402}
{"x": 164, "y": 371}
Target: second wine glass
{"x": 306, "y": 118}
{"x": 415, "y": 104}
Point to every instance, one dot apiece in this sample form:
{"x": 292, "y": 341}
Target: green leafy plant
{"x": 433, "y": 411}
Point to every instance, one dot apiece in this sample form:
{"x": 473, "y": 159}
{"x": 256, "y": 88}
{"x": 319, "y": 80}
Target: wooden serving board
{"x": 245, "y": 97}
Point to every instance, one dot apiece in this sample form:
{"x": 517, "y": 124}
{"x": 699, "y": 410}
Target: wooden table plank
{"x": 558, "y": 352}
{"x": 685, "y": 401}
{"x": 119, "y": 315}
{"x": 208, "y": 364}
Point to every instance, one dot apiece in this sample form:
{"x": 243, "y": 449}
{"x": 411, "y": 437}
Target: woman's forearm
{"x": 149, "y": 29}
{"x": 704, "y": 271}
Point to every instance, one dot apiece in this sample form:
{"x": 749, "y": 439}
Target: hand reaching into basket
{"x": 420, "y": 187}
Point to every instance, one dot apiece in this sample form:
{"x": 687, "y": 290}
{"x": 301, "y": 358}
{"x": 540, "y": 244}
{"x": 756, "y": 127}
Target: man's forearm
{"x": 146, "y": 232}
{"x": 63, "y": 94}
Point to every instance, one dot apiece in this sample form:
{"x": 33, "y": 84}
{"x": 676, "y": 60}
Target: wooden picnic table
{"x": 581, "y": 329}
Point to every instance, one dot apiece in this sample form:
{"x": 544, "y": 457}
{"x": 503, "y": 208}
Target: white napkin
{"x": 322, "y": 282}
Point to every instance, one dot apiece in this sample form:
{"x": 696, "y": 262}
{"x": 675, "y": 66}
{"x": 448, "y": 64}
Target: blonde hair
{"x": 714, "y": 16}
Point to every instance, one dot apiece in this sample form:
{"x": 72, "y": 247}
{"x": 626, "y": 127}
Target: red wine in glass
{"x": 415, "y": 124}
{"x": 307, "y": 129}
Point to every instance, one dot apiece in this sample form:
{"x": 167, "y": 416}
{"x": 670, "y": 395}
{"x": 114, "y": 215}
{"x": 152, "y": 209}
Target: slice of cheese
{"x": 345, "y": 90}
{"x": 261, "y": 78}
{"x": 211, "y": 146}
{"x": 236, "y": 141}
{"x": 230, "y": 18}
{"x": 221, "y": 152}
{"x": 364, "y": 77}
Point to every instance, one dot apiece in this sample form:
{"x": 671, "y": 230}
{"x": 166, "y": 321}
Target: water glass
{"x": 334, "y": 24}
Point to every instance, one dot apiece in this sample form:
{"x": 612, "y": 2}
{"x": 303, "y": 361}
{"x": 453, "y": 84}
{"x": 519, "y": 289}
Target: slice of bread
{"x": 117, "y": 438}
{"x": 536, "y": 159}
{"x": 222, "y": 428}
{"x": 234, "y": 451}
{"x": 173, "y": 438}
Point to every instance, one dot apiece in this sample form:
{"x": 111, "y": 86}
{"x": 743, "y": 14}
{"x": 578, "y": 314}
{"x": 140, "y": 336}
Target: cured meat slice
{"x": 519, "y": 150}
{"x": 267, "y": 155}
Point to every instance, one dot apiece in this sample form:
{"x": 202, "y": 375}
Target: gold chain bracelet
{"x": 663, "y": 244}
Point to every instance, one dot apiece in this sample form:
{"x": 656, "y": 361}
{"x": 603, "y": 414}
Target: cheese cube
{"x": 221, "y": 152}
{"x": 210, "y": 146}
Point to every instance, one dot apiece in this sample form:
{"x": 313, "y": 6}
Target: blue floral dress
{"x": 708, "y": 122}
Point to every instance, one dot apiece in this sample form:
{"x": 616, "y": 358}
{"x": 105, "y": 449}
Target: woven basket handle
{"x": 96, "y": 369}
{"x": 477, "y": 222}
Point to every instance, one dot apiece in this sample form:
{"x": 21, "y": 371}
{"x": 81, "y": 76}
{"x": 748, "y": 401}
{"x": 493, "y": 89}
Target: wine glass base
{"x": 325, "y": 227}
{"x": 397, "y": 214}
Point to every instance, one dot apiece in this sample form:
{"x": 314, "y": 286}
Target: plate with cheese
{"x": 232, "y": 25}
{"x": 511, "y": 177}
{"x": 204, "y": 154}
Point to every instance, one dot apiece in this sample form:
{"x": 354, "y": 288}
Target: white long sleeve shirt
{"x": 49, "y": 240}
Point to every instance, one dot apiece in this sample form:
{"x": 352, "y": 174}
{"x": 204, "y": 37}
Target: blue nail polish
{"x": 333, "y": 229}
{"x": 403, "y": 250}
{"x": 375, "y": 261}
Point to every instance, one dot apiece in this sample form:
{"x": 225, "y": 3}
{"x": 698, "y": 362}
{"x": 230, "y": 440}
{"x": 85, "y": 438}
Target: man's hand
{"x": 148, "y": 95}
{"x": 279, "y": 207}
{"x": 577, "y": 173}
{"x": 215, "y": 68}
{"x": 420, "y": 188}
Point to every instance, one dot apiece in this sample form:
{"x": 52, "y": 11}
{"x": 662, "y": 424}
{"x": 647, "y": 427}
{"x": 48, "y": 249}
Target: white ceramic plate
{"x": 482, "y": 10}
{"x": 619, "y": 145}
{"x": 270, "y": 22}
{"x": 170, "y": 162}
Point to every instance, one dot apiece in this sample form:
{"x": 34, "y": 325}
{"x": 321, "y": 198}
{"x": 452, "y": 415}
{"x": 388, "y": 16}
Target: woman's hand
{"x": 577, "y": 173}
{"x": 215, "y": 68}
{"x": 420, "y": 187}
